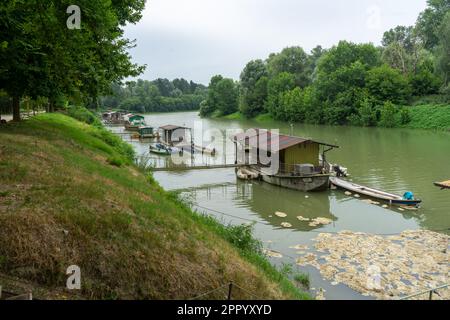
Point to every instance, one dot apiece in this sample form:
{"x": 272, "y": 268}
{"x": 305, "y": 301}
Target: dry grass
{"x": 61, "y": 203}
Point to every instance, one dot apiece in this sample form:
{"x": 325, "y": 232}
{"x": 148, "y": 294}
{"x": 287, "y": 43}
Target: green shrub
{"x": 388, "y": 113}
{"x": 116, "y": 161}
{"x": 84, "y": 115}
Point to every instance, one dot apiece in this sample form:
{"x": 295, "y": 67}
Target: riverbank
{"x": 430, "y": 117}
{"x": 70, "y": 195}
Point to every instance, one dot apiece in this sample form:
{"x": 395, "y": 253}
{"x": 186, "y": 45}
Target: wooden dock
{"x": 199, "y": 167}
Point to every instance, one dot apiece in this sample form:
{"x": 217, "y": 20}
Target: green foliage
{"x": 303, "y": 279}
{"x": 44, "y": 58}
{"x": 430, "y": 20}
{"x": 222, "y": 97}
{"x": 160, "y": 95}
{"x": 241, "y": 236}
{"x": 424, "y": 83}
{"x": 253, "y": 88}
{"x": 352, "y": 83}
{"x": 84, "y": 115}
{"x": 291, "y": 60}
{"x": 283, "y": 82}
{"x": 387, "y": 84}
{"x": 443, "y": 50}
{"x": 405, "y": 116}
{"x": 388, "y": 115}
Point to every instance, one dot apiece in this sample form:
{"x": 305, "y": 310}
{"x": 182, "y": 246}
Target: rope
{"x": 247, "y": 291}
{"x": 208, "y": 292}
{"x": 226, "y": 285}
{"x": 313, "y": 231}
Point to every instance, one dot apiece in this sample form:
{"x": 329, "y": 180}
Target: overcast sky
{"x": 196, "y": 39}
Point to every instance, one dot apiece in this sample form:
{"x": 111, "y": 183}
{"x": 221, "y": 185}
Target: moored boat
{"x": 295, "y": 161}
{"x": 406, "y": 200}
{"x": 160, "y": 149}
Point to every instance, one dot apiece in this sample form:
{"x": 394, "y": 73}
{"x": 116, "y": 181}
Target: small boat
{"x": 161, "y": 149}
{"x": 407, "y": 200}
{"x": 443, "y": 185}
{"x": 247, "y": 174}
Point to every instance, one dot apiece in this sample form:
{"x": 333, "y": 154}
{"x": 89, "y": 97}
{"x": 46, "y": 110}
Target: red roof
{"x": 284, "y": 141}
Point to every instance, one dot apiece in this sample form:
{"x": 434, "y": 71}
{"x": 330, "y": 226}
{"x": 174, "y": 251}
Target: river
{"x": 395, "y": 160}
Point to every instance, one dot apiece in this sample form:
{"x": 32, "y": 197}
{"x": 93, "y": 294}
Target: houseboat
{"x": 174, "y": 135}
{"x": 133, "y": 122}
{"x": 301, "y": 166}
{"x": 147, "y": 132}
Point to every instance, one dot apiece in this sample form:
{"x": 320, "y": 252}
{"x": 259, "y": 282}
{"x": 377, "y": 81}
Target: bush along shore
{"x": 427, "y": 116}
{"x": 71, "y": 195}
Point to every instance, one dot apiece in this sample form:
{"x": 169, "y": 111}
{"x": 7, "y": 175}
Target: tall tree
{"x": 292, "y": 60}
{"x": 40, "y": 56}
{"x": 253, "y": 88}
{"x": 430, "y": 20}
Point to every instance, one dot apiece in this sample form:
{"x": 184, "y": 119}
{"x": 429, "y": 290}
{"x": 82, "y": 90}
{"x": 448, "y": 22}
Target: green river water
{"x": 394, "y": 160}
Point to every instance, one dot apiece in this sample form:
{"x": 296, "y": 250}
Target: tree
{"x": 276, "y": 86}
{"x": 430, "y": 21}
{"x": 222, "y": 97}
{"x": 443, "y": 51}
{"x": 388, "y": 113}
{"x": 227, "y": 96}
{"x": 40, "y": 56}
{"x": 387, "y": 84}
{"x": 253, "y": 88}
{"x": 292, "y": 60}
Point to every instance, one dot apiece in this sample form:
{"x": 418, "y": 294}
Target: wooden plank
{"x": 206, "y": 167}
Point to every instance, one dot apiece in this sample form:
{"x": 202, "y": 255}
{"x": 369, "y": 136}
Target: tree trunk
{"x": 16, "y": 108}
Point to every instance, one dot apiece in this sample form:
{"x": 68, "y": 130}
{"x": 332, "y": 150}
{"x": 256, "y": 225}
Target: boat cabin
{"x": 297, "y": 156}
{"x": 171, "y": 134}
{"x": 134, "y": 118}
{"x": 146, "y": 132}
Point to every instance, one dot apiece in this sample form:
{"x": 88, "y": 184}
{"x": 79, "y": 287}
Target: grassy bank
{"x": 429, "y": 116}
{"x": 70, "y": 195}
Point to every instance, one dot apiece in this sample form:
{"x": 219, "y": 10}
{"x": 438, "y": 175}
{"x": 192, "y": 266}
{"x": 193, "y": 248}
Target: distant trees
{"x": 357, "y": 84}
{"x": 160, "y": 95}
{"x": 222, "y": 97}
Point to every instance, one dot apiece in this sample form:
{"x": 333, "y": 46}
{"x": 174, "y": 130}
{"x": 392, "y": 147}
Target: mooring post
{"x": 230, "y": 287}
{"x": 431, "y": 295}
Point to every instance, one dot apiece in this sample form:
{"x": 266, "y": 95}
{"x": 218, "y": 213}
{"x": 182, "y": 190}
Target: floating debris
{"x": 320, "y": 221}
{"x": 303, "y": 218}
{"x": 272, "y": 254}
{"x": 281, "y": 214}
{"x": 357, "y": 196}
{"x": 385, "y": 267}
{"x": 348, "y": 193}
{"x": 306, "y": 197}
{"x": 368, "y": 201}
{"x": 385, "y": 206}
{"x": 320, "y": 295}
{"x": 286, "y": 225}
{"x": 299, "y": 247}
